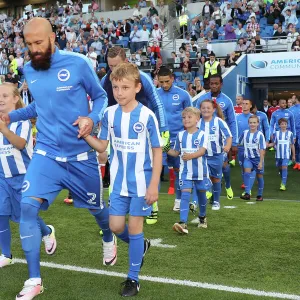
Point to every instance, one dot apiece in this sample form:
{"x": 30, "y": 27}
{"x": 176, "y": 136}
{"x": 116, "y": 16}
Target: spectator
{"x": 297, "y": 39}
{"x": 126, "y": 6}
{"x": 176, "y": 60}
{"x": 211, "y": 67}
{"x": 279, "y": 33}
{"x": 194, "y": 30}
{"x": 144, "y": 38}
{"x": 178, "y": 7}
{"x": 153, "y": 11}
{"x": 157, "y": 33}
{"x": 265, "y": 107}
{"x": 251, "y": 48}
{"x": 183, "y": 23}
{"x": 240, "y": 32}
{"x": 229, "y": 31}
{"x": 223, "y": 66}
{"x": 162, "y": 12}
{"x": 4, "y": 63}
{"x": 200, "y": 62}
{"x": 253, "y": 27}
{"x": 13, "y": 66}
{"x": 213, "y": 32}
{"x": 271, "y": 16}
{"x": 207, "y": 10}
{"x": 25, "y": 94}
{"x": 241, "y": 47}
{"x": 155, "y": 49}
{"x": 135, "y": 40}
{"x": 126, "y": 28}
{"x": 226, "y": 13}
{"x": 142, "y": 3}
{"x": 20, "y": 62}
{"x": 197, "y": 85}
{"x": 231, "y": 61}
{"x": 236, "y": 12}
{"x": 134, "y": 60}
{"x": 97, "y": 45}
{"x": 289, "y": 18}
{"x": 207, "y": 45}
{"x": 191, "y": 91}
{"x": 216, "y": 15}
{"x": 186, "y": 62}
{"x": 296, "y": 46}
{"x": 186, "y": 75}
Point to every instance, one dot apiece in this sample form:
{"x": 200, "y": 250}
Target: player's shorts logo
{"x": 63, "y": 75}
{"x": 25, "y": 186}
{"x": 138, "y": 127}
{"x": 213, "y": 128}
{"x": 180, "y": 183}
{"x": 196, "y": 142}
{"x": 176, "y": 97}
{"x": 222, "y": 104}
{"x": 240, "y": 163}
{"x": 286, "y": 114}
{"x": 92, "y": 200}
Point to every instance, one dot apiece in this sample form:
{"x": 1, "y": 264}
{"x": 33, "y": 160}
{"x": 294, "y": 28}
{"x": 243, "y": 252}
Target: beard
{"x": 41, "y": 61}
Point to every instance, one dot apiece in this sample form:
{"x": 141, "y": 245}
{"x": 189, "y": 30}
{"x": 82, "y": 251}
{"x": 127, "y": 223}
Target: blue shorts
{"x": 241, "y": 156}
{"x": 252, "y": 163}
{"x": 282, "y": 162}
{"x": 173, "y": 161}
{"x": 10, "y": 197}
{"x": 199, "y": 185}
{"x": 46, "y": 177}
{"x": 225, "y": 157}
{"x": 215, "y": 164}
{"x": 134, "y": 206}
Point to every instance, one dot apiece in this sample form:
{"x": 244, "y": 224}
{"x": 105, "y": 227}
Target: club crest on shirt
{"x": 25, "y": 186}
{"x": 196, "y": 142}
{"x": 213, "y": 128}
{"x": 222, "y": 104}
{"x": 63, "y": 75}
{"x": 138, "y": 127}
{"x": 175, "y": 97}
{"x": 255, "y": 140}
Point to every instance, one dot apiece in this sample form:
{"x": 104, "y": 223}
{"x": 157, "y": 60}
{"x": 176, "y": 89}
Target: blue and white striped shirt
{"x": 14, "y": 161}
{"x": 217, "y": 132}
{"x": 283, "y": 142}
{"x": 196, "y": 168}
{"x": 132, "y": 137}
{"x": 253, "y": 142}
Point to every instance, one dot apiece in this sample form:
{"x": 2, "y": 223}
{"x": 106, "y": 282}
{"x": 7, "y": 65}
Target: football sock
{"x": 124, "y": 236}
{"x": 102, "y": 170}
{"x": 226, "y": 173}
{"x": 184, "y": 206}
{"x": 102, "y": 219}
{"x": 5, "y": 236}
{"x": 177, "y": 187}
{"x": 252, "y": 179}
{"x": 136, "y": 252}
{"x": 247, "y": 176}
{"x": 194, "y": 196}
{"x": 284, "y": 174}
{"x": 45, "y": 230}
{"x": 172, "y": 178}
{"x": 202, "y": 200}
{"x": 31, "y": 235}
{"x": 260, "y": 186}
{"x": 217, "y": 191}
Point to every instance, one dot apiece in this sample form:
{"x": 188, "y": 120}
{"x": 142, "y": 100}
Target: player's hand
{"x": 2, "y": 126}
{"x": 226, "y": 148}
{"x": 234, "y": 150}
{"x": 85, "y": 125}
{"x": 259, "y": 167}
{"x": 165, "y": 135}
{"x": 187, "y": 156}
{"x": 293, "y": 158}
{"x": 5, "y": 118}
{"x": 151, "y": 194}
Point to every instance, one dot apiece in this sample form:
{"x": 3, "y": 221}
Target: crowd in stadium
{"x": 140, "y": 117}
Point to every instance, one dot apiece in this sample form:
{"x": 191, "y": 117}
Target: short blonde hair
{"x": 126, "y": 70}
{"x": 192, "y": 110}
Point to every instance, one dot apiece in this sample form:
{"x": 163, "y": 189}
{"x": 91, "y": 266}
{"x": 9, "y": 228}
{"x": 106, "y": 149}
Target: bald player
{"x": 59, "y": 82}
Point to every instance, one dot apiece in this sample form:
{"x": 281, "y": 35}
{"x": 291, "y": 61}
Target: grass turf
{"x": 250, "y": 246}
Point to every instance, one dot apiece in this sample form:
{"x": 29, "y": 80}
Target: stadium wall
{"x": 235, "y": 80}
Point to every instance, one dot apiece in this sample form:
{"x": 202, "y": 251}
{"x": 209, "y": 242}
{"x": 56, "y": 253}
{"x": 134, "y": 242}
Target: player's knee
{"x": 29, "y": 208}
{"x": 116, "y": 228}
{"x": 215, "y": 180}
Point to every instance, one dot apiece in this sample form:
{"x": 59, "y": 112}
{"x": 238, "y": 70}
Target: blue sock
{"x": 261, "y": 184}
{"x": 102, "y": 219}
{"x": 184, "y": 206}
{"x": 5, "y": 236}
{"x": 252, "y": 180}
{"x": 194, "y": 196}
{"x": 284, "y": 173}
{"x": 136, "y": 252}
{"x": 124, "y": 236}
{"x": 247, "y": 182}
{"x": 226, "y": 173}
{"x": 30, "y": 234}
{"x": 217, "y": 191}
{"x": 177, "y": 187}
{"x": 202, "y": 200}
{"x": 44, "y": 228}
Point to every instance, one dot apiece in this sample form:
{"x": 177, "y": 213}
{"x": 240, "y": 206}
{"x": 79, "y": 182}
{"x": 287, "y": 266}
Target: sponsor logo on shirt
{"x": 138, "y": 127}
{"x": 63, "y": 75}
{"x": 6, "y": 150}
{"x": 128, "y": 145}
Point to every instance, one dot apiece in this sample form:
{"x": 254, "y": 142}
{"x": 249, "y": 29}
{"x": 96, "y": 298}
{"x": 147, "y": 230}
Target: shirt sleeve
{"x": 292, "y": 139}
{"x": 272, "y": 124}
{"x": 24, "y": 130}
{"x": 262, "y": 142}
{"x": 22, "y": 114}
{"x": 93, "y": 88}
{"x": 187, "y": 102}
{"x": 155, "y": 102}
{"x": 293, "y": 127}
{"x": 226, "y": 133}
{"x": 232, "y": 124}
{"x": 203, "y": 141}
{"x": 177, "y": 144}
{"x": 154, "y": 135}
{"x": 241, "y": 139}
{"x": 104, "y": 132}
{"x": 266, "y": 127}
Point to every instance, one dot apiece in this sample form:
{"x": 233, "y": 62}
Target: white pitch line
{"x": 202, "y": 285}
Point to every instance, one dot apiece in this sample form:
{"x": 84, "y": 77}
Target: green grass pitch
{"x": 251, "y": 246}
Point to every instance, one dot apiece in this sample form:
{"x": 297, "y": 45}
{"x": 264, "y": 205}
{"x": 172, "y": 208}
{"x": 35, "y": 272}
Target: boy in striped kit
{"x": 135, "y": 166}
{"x": 191, "y": 144}
{"x": 16, "y": 147}
{"x": 284, "y": 145}
{"x": 254, "y": 144}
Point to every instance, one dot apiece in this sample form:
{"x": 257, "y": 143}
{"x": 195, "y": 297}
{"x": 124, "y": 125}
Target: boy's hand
{"x": 151, "y": 194}
{"x": 259, "y": 167}
{"x": 187, "y": 156}
{"x": 85, "y": 125}
{"x": 293, "y": 158}
{"x": 226, "y": 148}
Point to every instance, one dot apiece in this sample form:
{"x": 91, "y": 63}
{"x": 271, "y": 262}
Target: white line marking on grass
{"x": 202, "y": 285}
{"x": 157, "y": 243}
{"x": 230, "y": 207}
